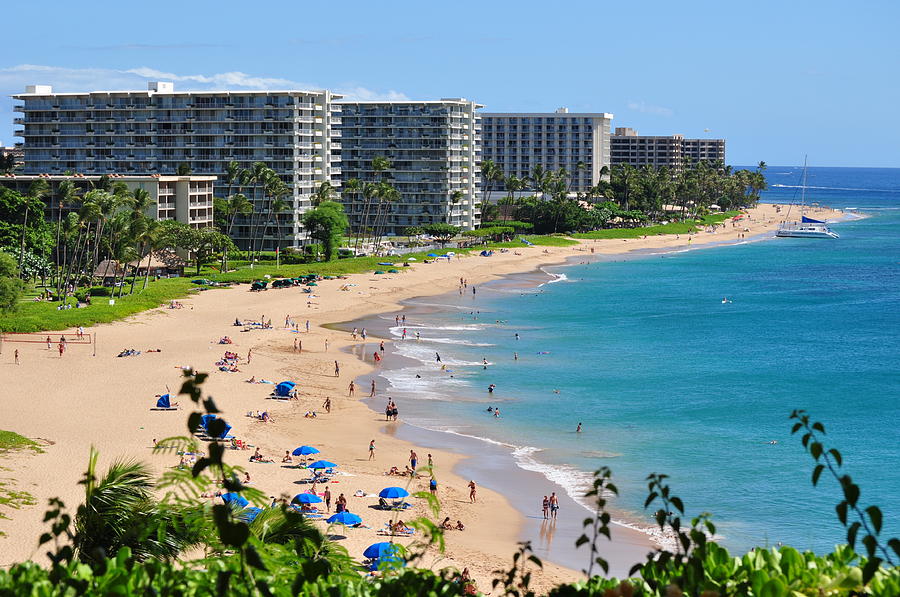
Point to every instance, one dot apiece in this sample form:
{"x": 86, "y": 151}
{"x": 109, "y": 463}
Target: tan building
{"x": 672, "y": 151}
{"x": 187, "y": 199}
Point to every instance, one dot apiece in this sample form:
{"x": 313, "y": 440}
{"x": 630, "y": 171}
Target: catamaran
{"x": 808, "y": 227}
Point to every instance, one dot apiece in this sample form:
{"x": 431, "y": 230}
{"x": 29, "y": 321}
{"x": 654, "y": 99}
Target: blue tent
{"x": 235, "y": 498}
{"x": 248, "y": 515}
{"x": 306, "y": 498}
{"x": 380, "y": 550}
{"x": 284, "y": 388}
{"x": 322, "y": 464}
{"x": 205, "y": 420}
{"x": 345, "y": 518}
{"x": 304, "y": 451}
{"x": 163, "y": 402}
{"x": 393, "y": 493}
{"x": 224, "y": 434}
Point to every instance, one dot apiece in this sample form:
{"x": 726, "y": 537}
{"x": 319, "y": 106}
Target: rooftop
{"x": 164, "y": 88}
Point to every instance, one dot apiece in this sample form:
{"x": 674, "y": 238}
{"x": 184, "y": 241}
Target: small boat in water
{"x": 808, "y": 227}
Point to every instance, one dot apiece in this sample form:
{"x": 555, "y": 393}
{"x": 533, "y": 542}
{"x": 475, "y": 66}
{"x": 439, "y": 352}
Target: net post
{"x": 94, "y": 342}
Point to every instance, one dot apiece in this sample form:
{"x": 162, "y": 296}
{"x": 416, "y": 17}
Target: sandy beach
{"x": 78, "y": 400}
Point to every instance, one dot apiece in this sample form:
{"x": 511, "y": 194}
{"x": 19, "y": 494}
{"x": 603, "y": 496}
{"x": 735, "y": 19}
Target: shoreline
{"x": 104, "y": 400}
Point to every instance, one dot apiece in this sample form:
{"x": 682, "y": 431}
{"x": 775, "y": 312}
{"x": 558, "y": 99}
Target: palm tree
{"x": 490, "y": 173}
{"x": 66, "y": 193}
{"x": 284, "y": 526}
{"x": 538, "y": 178}
{"x": 37, "y": 191}
{"x": 455, "y": 197}
{"x": 238, "y": 204}
{"x": 119, "y": 511}
{"x": 324, "y": 192}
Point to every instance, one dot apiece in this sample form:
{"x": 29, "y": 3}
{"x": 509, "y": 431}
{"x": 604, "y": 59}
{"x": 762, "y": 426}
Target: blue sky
{"x": 776, "y": 79}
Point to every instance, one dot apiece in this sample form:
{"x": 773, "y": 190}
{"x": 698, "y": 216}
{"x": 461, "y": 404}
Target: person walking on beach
{"x": 327, "y": 496}
{"x": 364, "y": 334}
{"x": 437, "y": 357}
{"x": 327, "y": 405}
{"x": 372, "y": 450}
{"x": 372, "y": 393}
{"x": 430, "y": 463}
{"x": 326, "y": 344}
{"x": 352, "y": 388}
{"x": 545, "y": 506}
{"x": 403, "y": 337}
{"x": 413, "y": 460}
{"x": 307, "y": 326}
{"x": 62, "y": 349}
{"x": 397, "y": 320}
{"x": 554, "y": 505}
{"x": 17, "y": 356}
{"x": 353, "y": 334}
{"x": 432, "y": 486}
{"x": 381, "y": 346}
{"x": 49, "y": 343}
{"x": 249, "y": 354}
{"x": 295, "y": 345}
{"x": 337, "y": 369}
{"x": 472, "y": 492}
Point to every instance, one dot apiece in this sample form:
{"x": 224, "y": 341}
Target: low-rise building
{"x": 187, "y": 199}
{"x": 670, "y": 151}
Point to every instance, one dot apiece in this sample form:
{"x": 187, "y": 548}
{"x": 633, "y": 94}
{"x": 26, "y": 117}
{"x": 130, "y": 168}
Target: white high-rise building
{"x": 434, "y": 150}
{"x": 159, "y": 130}
{"x": 519, "y": 141}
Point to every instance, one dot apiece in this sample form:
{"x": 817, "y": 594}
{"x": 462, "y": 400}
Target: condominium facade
{"x": 433, "y": 147}
{"x": 187, "y": 199}
{"x": 158, "y": 130}
{"x": 673, "y": 151}
{"x": 518, "y": 141}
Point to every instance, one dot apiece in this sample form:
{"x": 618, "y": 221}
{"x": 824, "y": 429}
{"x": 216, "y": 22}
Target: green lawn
{"x": 544, "y": 240}
{"x": 670, "y": 228}
{"x": 35, "y": 316}
{"x": 9, "y": 497}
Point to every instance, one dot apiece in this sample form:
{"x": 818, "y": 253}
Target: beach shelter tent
{"x": 235, "y": 498}
{"x": 306, "y": 498}
{"x": 304, "y": 451}
{"x": 321, "y": 464}
{"x": 205, "y": 420}
{"x": 284, "y": 388}
{"x": 380, "y": 550}
{"x": 224, "y": 434}
{"x": 393, "y": 493}
{"x": 346, "y": 518}
{"x": 163, "y": 402}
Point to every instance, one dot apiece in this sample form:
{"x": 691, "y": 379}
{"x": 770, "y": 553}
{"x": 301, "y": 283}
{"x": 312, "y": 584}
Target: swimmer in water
{"x": 578, "y": 429}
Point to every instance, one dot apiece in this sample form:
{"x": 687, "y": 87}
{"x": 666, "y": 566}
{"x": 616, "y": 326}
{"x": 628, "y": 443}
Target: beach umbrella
{"x": 322, "y": 464}
{"x": 393, "y": 493}
{"x": 411, "y": 259}
{"x": 235, "y": 498}
{"x": 345, "y": 518}
{"x": 380, "y": 550}
{"x": 432, "y": 255}
{"x": 387, "y": 563}
{"x": 304, "y": 451}
{"x": 306, "y": 498}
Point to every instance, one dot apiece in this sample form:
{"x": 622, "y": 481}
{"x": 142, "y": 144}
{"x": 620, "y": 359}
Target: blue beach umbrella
{"x": 432, "y": 255}
{"x": 304, "y": 451}
{"x": 387, "y": 563}
{"x": 235, "y": 498}
{"x": 393, "y": 493}
{"x": 380, "y": 550}
{"x": 248, "y": 515}
{"x": 322, "y": 464}
{"x": 306, "y": 498}
{"x": 345, "y": 518}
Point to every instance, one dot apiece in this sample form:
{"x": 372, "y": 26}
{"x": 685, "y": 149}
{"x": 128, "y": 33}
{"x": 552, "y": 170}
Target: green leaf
{"x": 851, "y": 492}
{"x": 653, "y": 495}
{"x": 875, "y": 514}
{"x": 870, "y": 569}
{"x": 816, "y": 450}
{"x": 871, "y": 544}
{"x": 775, "y": 587}
{"x": 852, "y": 530}
{"x": 818, "y": 427}
{"x": 817, "y": 472}
{"x": 796, "y": 427}
{"x": 837, "y": 456}
{"x": 676, "y": 501}
{"x": 581, "y": 541}
{"x": 841, "y": 510}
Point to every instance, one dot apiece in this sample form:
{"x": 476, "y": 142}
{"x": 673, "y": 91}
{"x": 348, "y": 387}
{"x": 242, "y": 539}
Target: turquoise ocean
{"x": 664, "y": 377}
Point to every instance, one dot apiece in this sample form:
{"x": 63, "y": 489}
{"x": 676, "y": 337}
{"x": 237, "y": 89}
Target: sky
{"x": 777, "y": 80}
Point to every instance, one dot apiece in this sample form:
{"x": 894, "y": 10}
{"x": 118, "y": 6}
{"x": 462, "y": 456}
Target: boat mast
{"x": 803, "y": 189}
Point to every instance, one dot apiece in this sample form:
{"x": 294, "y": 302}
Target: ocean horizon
{"x": 665, "y": 377}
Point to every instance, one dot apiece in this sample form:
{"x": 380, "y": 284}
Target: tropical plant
{"x": 327, "y": 224}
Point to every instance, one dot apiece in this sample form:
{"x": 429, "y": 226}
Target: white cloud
{"x": 650, "y": 108}
{"x": 63, "y": 79}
